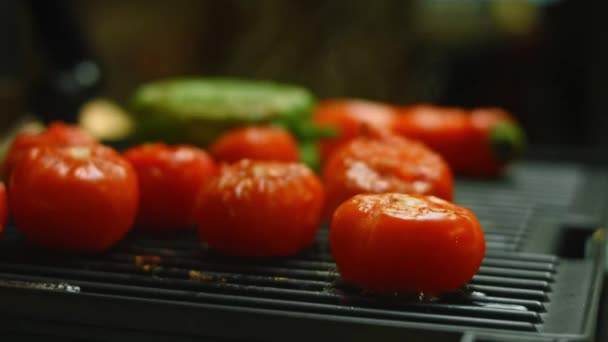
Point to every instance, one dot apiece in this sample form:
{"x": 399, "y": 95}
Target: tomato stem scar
{"x": 80, "y": 152}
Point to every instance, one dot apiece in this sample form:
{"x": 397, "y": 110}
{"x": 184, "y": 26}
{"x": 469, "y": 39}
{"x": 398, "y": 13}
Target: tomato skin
{"x": 390, "y": 164}
{"x": 255, "y": 142}
{"x": 169, "y": 179}
{"x": 74, "y": 198}
{"x": 465, "y": 139}
{"x": 258, "y": 208}
{"x": 3, "y": 209}
{"x": 56, "y": 133}
{"x": 352, "y": 118}
{"x": 402, "y": 243}
{"x": 69, "y": 134}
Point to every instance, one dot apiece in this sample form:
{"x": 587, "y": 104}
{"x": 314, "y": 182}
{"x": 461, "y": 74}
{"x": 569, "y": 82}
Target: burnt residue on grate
{"x": 40, "y": 285}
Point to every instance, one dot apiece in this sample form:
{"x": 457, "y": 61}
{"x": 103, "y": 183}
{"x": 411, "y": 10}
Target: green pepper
{"x": 198, "y": 110}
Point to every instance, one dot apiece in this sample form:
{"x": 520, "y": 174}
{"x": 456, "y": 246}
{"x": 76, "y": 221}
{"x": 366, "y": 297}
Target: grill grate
{"x": 514, "y": 291}
{"x": 504, "y": 208}
{"x": 509, "y": 291}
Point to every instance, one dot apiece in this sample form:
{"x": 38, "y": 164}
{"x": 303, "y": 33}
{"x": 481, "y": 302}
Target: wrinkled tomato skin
{"x": 389, "y": 164}
{"x": 80, "y": 199}
{"x": 169, "y": 179}
{"x": 351, "y": 118}
{"x": 57, "y": 133}
{"x": 397, "y": 243}
{"x": 256, "y": 208}
{"x": 3, "y": 209}
{"x": 257, "y": 143}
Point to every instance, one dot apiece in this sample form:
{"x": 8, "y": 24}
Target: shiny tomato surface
{"x": 256, "y": 208}
{"x": 57, "y": 133}
{"x": 475, "y": 143}
{"x": 398, "y": 243}
{"x": 352, "y": 118}
{"x": 169, "y": 178}
{"x": 257, "y": 143}
{"x": 389, "y": 164}
{"x": 73, "y": 198}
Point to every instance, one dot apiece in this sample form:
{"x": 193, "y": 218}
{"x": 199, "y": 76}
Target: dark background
{"x": 546, "y": 61}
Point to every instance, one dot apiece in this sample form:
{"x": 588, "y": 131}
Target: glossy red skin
{"x": 256, "y": 208}
{"x": 462, "y": 138}
{"x": 397, "y": 243}
{"x": 56, "y": 133}
{"x": 3, "y": 209}
{"x": 169, "y": 178}
{"x": 257, "y": 143}
{"x": 64, "y": 200}
{"x": 352, "y": 118}
{"x": 390, "y": 164}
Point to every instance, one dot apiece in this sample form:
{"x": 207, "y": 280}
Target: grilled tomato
{"x": 261, "y": 208}
{"x": 169, "y": 179}
{"x": 81, "y": 198}
{"x": 389, "y": 164}
{"x": 255, "y": 142}
{"x": 398, "y": 243}
{"x": 57, "y": 133}
{"x": 351, "y": 118}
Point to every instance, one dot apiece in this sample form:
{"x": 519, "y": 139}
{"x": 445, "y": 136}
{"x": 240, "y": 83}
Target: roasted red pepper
{"x": 475, "y": 143}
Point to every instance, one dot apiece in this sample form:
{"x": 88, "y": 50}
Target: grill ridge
{"x": 513, "y": 291}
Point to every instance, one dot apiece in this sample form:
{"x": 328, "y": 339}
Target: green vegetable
{"x": 309, "y": 154}
{"x": 507, "y": 141}
{"x": 198, "y": 110}
{"x": 201, "y": 109}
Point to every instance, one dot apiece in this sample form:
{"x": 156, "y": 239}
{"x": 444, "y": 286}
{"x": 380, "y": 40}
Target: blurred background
{"x": 544, "y": 60}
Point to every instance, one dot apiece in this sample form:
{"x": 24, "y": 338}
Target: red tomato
{"x": 258, "y": 143}
{"x": 476, "y": 143}
{"x": 352, "y": 118}
{"x": 390, "y": 164}
{"x": 405, "y": 243}
{"x": 484, "y": 118}
{"x": 73, "y": 198}
{"x": 57, "y": 133}
{"x": 3, "y": 209}
{"x": 64, "y": 133}
{"x": 257, "y": 208}
{"x": 169, "y": 178}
